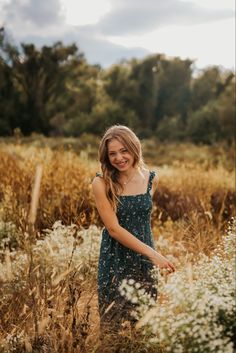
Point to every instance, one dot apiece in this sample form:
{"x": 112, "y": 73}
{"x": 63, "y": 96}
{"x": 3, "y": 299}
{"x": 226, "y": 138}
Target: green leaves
{"x": 55, "y": 91}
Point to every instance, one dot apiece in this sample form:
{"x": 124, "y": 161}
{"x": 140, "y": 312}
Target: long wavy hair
{"x": 110, "y": 174}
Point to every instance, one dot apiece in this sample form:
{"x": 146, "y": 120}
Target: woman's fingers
{"x": 164, "y": 264}
{"x": 172, "y": 267}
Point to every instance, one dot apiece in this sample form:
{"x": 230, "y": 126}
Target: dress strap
{"x": 151, "y": 176}
{"x": 99, "y": 174}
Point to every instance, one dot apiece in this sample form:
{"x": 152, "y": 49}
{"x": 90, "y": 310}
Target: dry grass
{"x": 45, "y": 308}
{"x": 65, "y": 191}
{"x": 192, "y": 208}
{"x": 43, "y": 311}
{"x": 66, "y": 188}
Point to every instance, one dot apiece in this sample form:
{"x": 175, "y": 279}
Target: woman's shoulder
{"x": 149, "y": 172}
{"x": 145, "y": 171}
{"x": 98, "y": 181}
{"x": 151, "y": 176}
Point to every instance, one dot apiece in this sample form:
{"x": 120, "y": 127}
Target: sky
{"x": 107, "y": 31}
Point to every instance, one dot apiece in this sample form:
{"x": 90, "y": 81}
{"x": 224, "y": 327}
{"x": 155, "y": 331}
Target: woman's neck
{"x": 127, "y": 176}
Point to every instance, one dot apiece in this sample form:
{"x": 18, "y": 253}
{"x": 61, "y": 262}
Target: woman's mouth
{"x": 122, "y": 164}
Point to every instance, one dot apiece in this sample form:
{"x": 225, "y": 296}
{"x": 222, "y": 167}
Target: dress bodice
{"x": 117, "y": 262}
{"x": 134, "y": 212}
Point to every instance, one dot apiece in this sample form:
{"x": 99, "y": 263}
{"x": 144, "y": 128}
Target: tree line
{"x": 54, "y": 91}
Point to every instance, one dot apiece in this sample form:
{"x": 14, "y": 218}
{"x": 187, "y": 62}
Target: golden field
{"x": 48, "y": 267}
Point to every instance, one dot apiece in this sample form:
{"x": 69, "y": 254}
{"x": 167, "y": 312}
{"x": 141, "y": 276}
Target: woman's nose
{"x": 119, "y": 157}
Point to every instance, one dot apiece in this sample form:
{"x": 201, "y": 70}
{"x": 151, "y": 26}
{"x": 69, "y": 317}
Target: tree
{"x": 204, "y": 125}
{"x": 10, "y": 101}
{"x": 174, "y": 88}
{"x": 226, "y": 109}
{"x": 209, "y": 85}
{"x": 39, "y": 80}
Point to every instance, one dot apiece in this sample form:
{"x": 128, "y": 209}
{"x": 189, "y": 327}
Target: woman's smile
{"x": 119, "y": 156}
{"x": 122, "y": 164}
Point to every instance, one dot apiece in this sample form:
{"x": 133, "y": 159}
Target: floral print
{"x": 117, "y": 262}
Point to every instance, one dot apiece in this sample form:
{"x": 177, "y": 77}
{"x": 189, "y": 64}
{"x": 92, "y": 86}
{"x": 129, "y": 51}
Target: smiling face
{"x": 119, "y": 156}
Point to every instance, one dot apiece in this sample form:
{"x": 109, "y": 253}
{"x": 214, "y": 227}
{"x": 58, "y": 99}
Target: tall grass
{"x": 47, "y": 293}
{"x": 185, "y": 190}
{"x": 49, "y": 258}
{"x": 65, "y": 191}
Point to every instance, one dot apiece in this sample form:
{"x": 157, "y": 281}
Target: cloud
{"x": 99, "y": 50}
{"x": 43, "y": 22}
{"x": 96, "y": 49}
{"x": 22, "y": 18}
{"x": 38, "y": 13}
{"x": 138, "y": 16}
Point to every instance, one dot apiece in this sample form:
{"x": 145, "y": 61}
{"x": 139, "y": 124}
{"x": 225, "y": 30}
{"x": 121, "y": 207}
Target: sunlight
{"x": 212, "y": 43}
{"x": 79, "y": 13}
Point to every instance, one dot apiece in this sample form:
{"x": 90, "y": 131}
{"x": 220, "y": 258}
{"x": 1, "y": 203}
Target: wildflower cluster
{"x": 46, "y": 284}
{"x": 135, "y": 293}
{"x": 197, "y": 310}
{"x": 67, "y": 245}
{"x": 63, "y": 247}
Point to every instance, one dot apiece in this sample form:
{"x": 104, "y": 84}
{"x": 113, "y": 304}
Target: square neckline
{"x": 135, "y": 195}
{"x": 142, "y": 194}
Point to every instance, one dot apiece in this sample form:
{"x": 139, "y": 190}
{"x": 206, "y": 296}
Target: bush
{"x": 203, "y": 126}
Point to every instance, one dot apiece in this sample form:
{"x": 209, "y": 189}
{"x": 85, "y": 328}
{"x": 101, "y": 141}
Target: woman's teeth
{"x": 121, "y": 164}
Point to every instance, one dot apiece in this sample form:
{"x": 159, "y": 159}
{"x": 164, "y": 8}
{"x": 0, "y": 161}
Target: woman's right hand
{"x": 161, "y": 262}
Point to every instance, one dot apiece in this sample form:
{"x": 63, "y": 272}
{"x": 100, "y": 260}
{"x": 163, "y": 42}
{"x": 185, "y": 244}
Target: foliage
{"x": 54, "y": 91}
{"x": 203, "y": 124}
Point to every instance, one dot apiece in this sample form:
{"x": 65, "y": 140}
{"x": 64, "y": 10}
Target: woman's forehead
{"x": 114, "y": 145}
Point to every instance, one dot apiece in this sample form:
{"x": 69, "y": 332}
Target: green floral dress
{"x": 117, "y": 262}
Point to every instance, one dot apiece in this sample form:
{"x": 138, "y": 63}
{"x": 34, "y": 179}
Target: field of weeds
{"x": 49, "y": 257}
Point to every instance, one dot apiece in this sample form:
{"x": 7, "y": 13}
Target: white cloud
{"x": 138, "y": 17}
{"x": 80, "y": 12}
{"x": 108, "y": 30}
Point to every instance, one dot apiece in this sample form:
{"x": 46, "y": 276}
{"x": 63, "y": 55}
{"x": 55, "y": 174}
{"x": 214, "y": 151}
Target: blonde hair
{"x": 110, "y": 174}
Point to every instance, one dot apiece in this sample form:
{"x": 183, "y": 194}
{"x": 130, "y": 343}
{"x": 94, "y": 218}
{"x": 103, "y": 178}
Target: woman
{"x": 123, "y": 195}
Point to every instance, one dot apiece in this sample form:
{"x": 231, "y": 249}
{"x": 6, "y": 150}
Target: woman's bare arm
{"x": 119, "y": 233}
